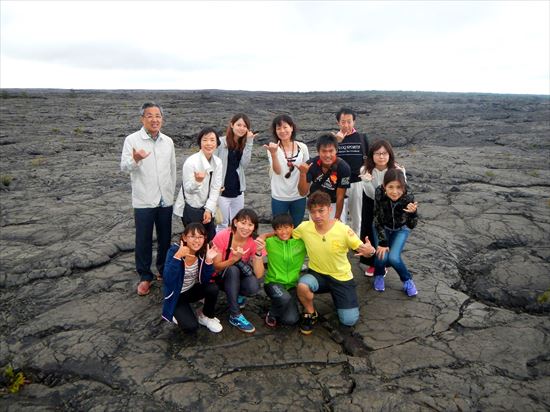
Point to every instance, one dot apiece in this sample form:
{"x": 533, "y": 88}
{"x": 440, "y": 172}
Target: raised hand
{"x": 260, "y": 244}
{"x": 366, "y": 176}
{"x": 249, "y": 133}
{"x": 182, "y": 251}
{"x": 411, "y": 207}
{"x": 303, "y": 167}
{"x": 366, "y": 249}
{"x": 199, "y": 176}
{"x": 139, "y": 155}
{"x": 340, "y": 135}
{"x": 239, "y": 252}
{"x": 211, "y": 253}
{"x": 272, "y": 147}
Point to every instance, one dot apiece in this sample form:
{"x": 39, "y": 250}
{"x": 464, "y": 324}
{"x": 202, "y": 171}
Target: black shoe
{"x": 307, "y": 323}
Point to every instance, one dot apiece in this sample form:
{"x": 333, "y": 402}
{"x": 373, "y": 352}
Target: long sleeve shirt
{"x": 153, "y": 178}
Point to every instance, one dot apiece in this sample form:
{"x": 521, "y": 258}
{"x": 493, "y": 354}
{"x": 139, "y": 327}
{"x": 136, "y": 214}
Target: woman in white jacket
{"x": 201, "y": 183}
{"x": 235, "y": 151}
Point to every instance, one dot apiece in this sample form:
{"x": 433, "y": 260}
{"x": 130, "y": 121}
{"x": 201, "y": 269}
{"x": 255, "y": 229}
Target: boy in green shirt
{"x": 285, "y": 257}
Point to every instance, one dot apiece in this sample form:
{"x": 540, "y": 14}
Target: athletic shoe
{"x": 241, "y": 301}
{"x": 213, "y": 324}
{"x": 379, "y": 283}
{"x": 270, "y": 321}
{"x": 241, "y": 323}
{"x": 307, "y": 323}
{"x": 143, "y": 288}
{"x": 409, "y": 288}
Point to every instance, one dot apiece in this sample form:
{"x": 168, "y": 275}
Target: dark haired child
{"x": 285, "y": 257}
{"x": 187, "y": 272}
{"x": 394, "y": 217}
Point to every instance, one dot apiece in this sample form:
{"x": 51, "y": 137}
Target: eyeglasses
{"x": 381, "y": 154}
{"x": 157, "y": 117}
{"x": 290, "y": 169}
{"x": 196, "y": 237}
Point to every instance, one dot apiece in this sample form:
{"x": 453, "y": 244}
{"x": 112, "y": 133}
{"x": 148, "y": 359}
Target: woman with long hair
{"x": 235, "y": 151}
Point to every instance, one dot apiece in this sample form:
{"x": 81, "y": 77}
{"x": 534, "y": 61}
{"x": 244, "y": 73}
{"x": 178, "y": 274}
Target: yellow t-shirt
{"x": 328, "y": 253}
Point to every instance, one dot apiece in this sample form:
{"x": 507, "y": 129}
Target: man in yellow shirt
{"x": 327, "y": 243}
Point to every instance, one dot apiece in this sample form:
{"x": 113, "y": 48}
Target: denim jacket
{"x": 174, "y": 271}
{"x": 390, "y": 215}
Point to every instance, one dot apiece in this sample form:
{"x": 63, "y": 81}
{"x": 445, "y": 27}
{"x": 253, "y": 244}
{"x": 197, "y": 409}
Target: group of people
{"x": 220, "y": 248}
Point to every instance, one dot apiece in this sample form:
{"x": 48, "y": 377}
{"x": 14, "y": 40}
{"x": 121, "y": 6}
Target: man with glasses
{"x": 353, "y": 148}
{"x": 148, "y": 156}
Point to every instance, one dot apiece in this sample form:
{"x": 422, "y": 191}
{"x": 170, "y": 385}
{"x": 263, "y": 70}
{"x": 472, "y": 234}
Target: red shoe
{"x": 143, "y": 287}
{"x": 370, "y": 271}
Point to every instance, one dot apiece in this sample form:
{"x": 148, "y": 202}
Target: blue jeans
{"x": 397, "y": 239}
{"x": 295, "y": 208}
{"x": 235, "y": 283}
{"x": 145, "y": 219}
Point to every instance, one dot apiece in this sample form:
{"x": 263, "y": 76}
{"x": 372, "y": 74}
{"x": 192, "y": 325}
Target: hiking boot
{"x": 270, "y": 321}
{"x": 409, "y": 288}
{"x": 241, "y": 301}
{"x": 241, "y": 323}
{"x": 379, "y": 283}
{"x": 212, "y": 324}
{"x": 307, "y": 323}
{"x": 143, "y": 288}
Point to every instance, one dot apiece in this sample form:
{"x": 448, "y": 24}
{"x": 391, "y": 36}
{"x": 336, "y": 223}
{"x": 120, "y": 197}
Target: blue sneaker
{"x": 409, "y": 288}
{"x": 379, "y": 283}
{"x": 241, "y": 323}
{"x": 241, "y": 301}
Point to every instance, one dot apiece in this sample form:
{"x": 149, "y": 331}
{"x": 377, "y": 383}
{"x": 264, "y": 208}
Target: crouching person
{"x": 285, "y": 257}
{"x": 187, "y": 272}
{"x": 327, "y": 243}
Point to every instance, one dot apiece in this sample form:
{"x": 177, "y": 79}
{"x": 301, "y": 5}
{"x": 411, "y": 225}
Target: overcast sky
{"x": 495, "y": 47}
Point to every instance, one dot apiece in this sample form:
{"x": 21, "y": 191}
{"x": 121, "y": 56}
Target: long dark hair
{"x": 378, "y": 144}
{"x": 230, "y": 135}
{"x": 196, "y": 228}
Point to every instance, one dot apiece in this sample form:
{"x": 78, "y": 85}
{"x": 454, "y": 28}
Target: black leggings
{"x": 367, "y": 216}
{"x": 184, "y": 313}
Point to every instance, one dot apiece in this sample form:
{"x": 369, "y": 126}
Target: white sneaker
{"x": 213, "y": 324}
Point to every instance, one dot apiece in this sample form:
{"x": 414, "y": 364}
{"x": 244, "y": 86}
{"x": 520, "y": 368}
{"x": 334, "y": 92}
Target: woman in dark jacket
{"x": 187, "y": 272}
{"x": 394, "y": 217}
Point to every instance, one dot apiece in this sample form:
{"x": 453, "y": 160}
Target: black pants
{"x": 145, "y": 219}
{"x": 195, "y": 215}
{"x": 184, "y": 313}
{"x": 367, "y": 216}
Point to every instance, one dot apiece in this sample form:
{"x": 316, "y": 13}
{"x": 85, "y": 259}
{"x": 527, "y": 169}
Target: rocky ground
{"x": 477, "y": 337}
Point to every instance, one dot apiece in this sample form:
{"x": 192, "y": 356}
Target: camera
{"x": 245, "y": 268}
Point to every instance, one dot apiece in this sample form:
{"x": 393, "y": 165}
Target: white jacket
{"x": 196, "y": 194}
{"x": 154, "y": 177}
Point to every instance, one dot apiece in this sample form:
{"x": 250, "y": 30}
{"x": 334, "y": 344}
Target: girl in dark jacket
{"x": 394, "y": 217}
{"x": 187, "y": 272}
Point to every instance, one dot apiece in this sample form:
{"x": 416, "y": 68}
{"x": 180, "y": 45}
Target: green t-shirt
{"x": 284, "y": 261}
